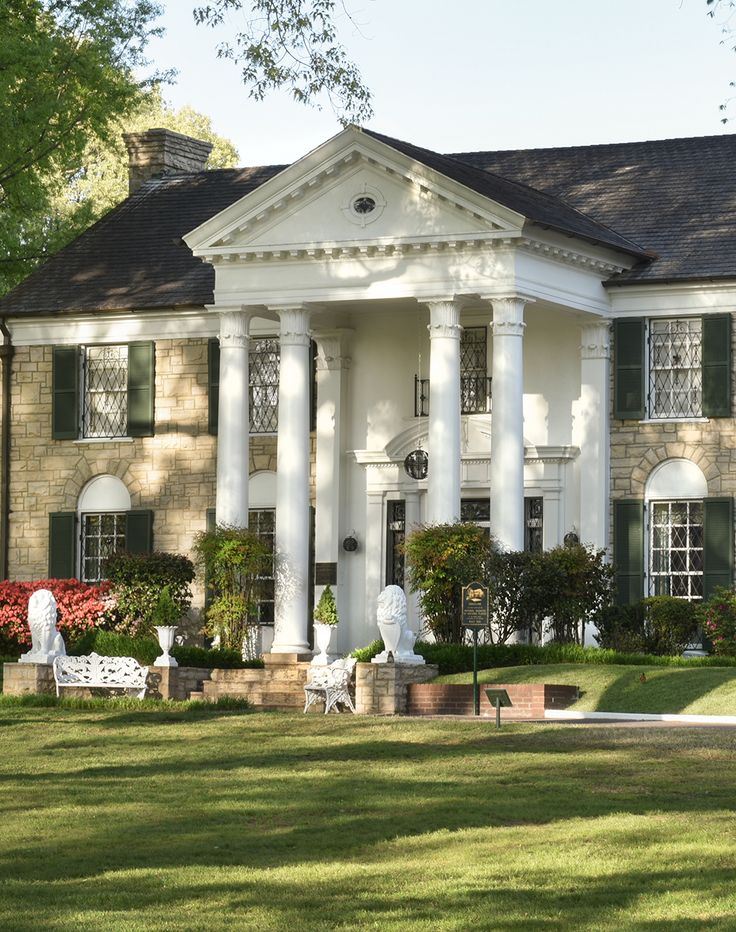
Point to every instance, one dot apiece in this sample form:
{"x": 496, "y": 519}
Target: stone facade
{"x": 637, "y": 447}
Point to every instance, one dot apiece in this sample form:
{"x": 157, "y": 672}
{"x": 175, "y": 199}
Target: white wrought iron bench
{"x": 95, "y": 672}
{"x": 331, "y": 684}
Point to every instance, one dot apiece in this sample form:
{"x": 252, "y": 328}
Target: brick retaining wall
{"x": 529, "y": 700}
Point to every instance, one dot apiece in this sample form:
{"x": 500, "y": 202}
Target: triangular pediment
{"x": 353, "y": 190}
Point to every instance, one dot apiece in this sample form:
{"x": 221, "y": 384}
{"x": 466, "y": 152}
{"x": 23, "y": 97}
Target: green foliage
{"x": 165, "y": 612}
{"x": 516, "y": 594}
{"x": 68, "y": 70}
{"x": 660, "y": 625}
{"x": 146, "y": 649}
{"x": 234, "y": 561}
{"x": 364, "y": 654}
{"x": 576, "y": 583}
{"x": 292, "y": 45}
{"x": 137, "y": 581}
{"x": 125, "y": 703}
{"x": 671, "y": 624}
{"x": 326, "y": 611}
{"x": 441, "y": 559}
{"x": 718, "y": 617}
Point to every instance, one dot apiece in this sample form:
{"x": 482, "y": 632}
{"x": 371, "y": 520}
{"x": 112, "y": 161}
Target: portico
{"x": 378, "y": 259}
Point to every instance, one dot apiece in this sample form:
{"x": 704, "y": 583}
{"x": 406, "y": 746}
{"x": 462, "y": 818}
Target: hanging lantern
{"x": 416, "y": 465}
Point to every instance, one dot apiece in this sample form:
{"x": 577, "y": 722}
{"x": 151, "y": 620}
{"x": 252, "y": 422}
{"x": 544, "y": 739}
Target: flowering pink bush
{"x": 80, "y": 607}
{"x": 718, "y": 616}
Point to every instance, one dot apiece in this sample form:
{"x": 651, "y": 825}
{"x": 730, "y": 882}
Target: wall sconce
{"x": 571, "y": 539}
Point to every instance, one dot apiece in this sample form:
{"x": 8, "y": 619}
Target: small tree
{"x": 326, "y": 611}
{"x": 578, "y": 585}
{"x": 234, "y": 561}
{"x": 517, "y": 601}
{"x": 441, "y": 559}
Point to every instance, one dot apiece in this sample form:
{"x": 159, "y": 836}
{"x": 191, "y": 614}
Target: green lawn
{"x": 173, "y": 820}
{"x": 699, "y": 690}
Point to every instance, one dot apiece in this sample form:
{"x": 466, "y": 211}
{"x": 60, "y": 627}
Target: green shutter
{"x": 141, "y": 360}
{"x": 717, "y": 366}
{"x": 62, "y": 545}
{"x": 628, "y": 386}
{"x": 718, "y": 544}
{"x": 139, "y": 531}
{"x": 213, "y": 383}
{"x": 65, "y": 393}
{"x": 628, "y": 550}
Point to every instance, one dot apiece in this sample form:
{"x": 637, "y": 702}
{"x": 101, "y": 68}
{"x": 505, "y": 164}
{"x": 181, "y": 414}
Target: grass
{"x": 153, "y": 820}
{"x": 699, "y": 690}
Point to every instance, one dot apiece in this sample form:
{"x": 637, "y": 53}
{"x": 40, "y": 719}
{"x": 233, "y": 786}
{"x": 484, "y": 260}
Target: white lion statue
{"x": 46, "y": 642}
{"x": 398, "y": 637}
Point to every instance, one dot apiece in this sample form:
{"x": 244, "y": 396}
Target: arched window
{"x": 102, "y": 508}
{"x": 674, "y": 495}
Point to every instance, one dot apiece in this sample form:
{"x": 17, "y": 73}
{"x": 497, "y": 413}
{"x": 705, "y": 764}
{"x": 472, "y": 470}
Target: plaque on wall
{"x": 325, "y": 574}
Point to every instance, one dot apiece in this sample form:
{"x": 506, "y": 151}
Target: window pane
{"x": 105, "y": 411}
{"x": 676, "y": 549}
{"x": 675, "y": 373}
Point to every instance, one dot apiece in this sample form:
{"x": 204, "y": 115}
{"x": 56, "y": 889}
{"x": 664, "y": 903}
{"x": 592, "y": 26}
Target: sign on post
{"x": 475, "y": 617}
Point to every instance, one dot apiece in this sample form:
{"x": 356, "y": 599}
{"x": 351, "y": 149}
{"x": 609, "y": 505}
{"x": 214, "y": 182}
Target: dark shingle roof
{"x": 134, "y": 256}
{"x": 536, "y": 205}
{"x": 675, "y": 198}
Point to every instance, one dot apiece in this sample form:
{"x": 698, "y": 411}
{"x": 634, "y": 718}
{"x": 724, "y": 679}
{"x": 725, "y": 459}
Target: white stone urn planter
{"x": 166, "y": 641}
{"x": 322, "y": 638}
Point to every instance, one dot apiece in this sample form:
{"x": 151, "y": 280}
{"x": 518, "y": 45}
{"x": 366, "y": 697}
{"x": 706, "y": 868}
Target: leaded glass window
{"x": 102, "y": 536}
{"x": 264, "y": 359}
{"x": 676, "y": 549}
{"x": 473, "y": 370}
{"x": 262, "y": 522}
{"x": 675, "y": 368}
{"x": 105, "y": 411}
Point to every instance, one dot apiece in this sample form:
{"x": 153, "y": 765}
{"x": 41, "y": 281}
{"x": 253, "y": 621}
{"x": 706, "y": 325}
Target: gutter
{"x": 7, "y": 351}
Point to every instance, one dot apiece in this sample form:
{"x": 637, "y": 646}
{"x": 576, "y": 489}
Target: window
{"x": 475, "y": 386}
{"x": 102, "y": 536}
{"x": 534, "y": 524}
{"x": 262, "y": 522}
{"x": 105, "y": 379}
{"x": 672, "y": 367}
{"x": 675, "y": 368}
{"x": 103, "y": 391}
{"x": 676, "y": 549}
{"x": 263, "y": 361}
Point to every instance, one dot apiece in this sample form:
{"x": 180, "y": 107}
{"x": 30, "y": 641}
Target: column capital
{"x": 444, "y": 317}
{"x": 234, "y": 328}
{"x": 294, "y": 320}
{"x": 595, "y": 340}
{"x": 508, "y": 314}
{"x": 332, "y": 346}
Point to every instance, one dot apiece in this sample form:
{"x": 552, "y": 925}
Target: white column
{"x": 412, "y": 519}
{"x": 443, "y": 479}
{"x": 507, "y": 423}
{"x": 333, "y": 363}
{"x": 593, "y": 433}
{"x": 233, "y": 427}
{"x": 291, "y": 543}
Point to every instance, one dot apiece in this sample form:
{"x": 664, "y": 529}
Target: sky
{"x": 462, "y": 75}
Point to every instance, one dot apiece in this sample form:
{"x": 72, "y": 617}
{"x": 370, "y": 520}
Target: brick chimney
{"x": 159, "y": 151}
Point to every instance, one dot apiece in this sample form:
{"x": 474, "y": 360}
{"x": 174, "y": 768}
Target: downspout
{"x": 6, "y": 357}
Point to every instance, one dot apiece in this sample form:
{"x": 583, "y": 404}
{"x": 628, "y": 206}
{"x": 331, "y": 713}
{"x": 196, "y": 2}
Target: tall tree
{"x": 292, "y": 45}
{"x": 67, "y": 71}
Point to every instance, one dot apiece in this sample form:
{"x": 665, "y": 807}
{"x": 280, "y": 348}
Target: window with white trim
{"x": 676, "y": 549}
{"x": 105, "y": 379}
{"x": 676, "y": 368}
{"x": 102, "y": 536}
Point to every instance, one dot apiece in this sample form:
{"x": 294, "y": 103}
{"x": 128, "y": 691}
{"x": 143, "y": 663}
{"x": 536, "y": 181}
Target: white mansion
{"x": 374, "y": 337}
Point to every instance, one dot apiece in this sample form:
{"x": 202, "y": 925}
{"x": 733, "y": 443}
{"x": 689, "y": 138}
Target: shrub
{"x": 670, "y": 624}
{"x": 234, "y": 560}
{"x": 326, "y": 611}
{"x": 621, "y": 628}
{"x": 80, "y": 608}
{"x": 576, "y": 583}
{"x": 514, "y": 595}
{"x": 145, "y": 650}
{"x": 718, "y": 617}
{"x": 441, "y": 559}
{"x": 136, "y": 581}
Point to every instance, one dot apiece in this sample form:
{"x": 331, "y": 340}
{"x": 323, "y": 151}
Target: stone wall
{"x": 381, "y": 688}
{"x": 529, "y": 700}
